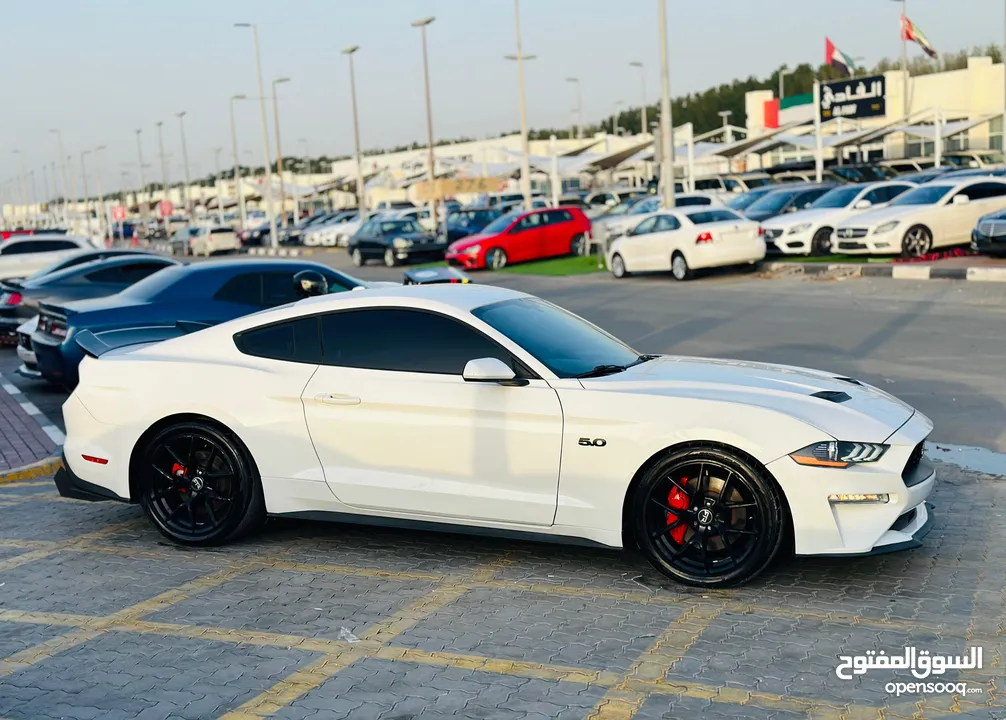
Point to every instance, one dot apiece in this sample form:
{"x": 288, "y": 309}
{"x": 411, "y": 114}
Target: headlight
{"x": 802, "y": 227}
{"x": 886, "y": 227}
{"x": 472, "y": 250}
{"x": 835, "y": 454}
{"x": 401, "y": 243}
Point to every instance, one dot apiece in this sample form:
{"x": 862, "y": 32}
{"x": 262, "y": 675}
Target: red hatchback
{"x": 518, "y": 237}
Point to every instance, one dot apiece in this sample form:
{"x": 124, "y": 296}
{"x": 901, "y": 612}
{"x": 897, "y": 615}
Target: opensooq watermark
{"x": 922, "y": 665}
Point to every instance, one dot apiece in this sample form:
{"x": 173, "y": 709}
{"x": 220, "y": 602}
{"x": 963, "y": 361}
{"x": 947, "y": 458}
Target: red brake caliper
{"x": 679, "y": 501}
{"x": 178, "y": 470}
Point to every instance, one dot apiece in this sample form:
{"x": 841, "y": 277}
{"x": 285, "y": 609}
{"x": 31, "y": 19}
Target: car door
{"x": 557, "y": 232}
{"x": 524, "y": 240}
{"x": 986, "y": 197}
{"x": 662, "y": 241}
{"x": 635, "y": 248}
{"x": 398, "y": 429}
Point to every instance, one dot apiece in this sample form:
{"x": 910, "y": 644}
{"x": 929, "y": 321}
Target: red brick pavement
{"x": 22, "y": 440}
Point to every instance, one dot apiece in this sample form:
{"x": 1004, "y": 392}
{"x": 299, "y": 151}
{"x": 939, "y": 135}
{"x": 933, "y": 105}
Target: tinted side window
{"x": 134, "y": 272}
{"x": 666, "y": 223}
{"x": 244, "y": 289}
{"x": 51, "y": 245}
{"x": 528, "y": 222}
{"x": 403, "y": 341}
{"x": 686, "y": 201}
{"x": 805, "y": 199}
{"x": 711, "y": 216}
{"x": 21, "y": 248}
{"x": 984, "y": 190}
{"x": 554, "y": 217}
{"x": 709, "y": 184}
{"x": 105, "y": 275}
{"x": 294, "y": 341}
{"x": 732, "y": 185}
{"x": 647, "y": 226}
{"x": 880, "y": 195}
{"x": 278, "y": 289}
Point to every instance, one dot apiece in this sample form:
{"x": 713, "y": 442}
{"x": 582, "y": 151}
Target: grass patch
{"x": 572, "y": 265}
{"x": 828, "y": 259}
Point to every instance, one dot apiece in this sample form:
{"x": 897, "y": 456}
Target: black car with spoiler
{"x": 170, "y": 302}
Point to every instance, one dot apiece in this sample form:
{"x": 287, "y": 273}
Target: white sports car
{"x": 481, "y": 409}
{"x": 810, "y": 231}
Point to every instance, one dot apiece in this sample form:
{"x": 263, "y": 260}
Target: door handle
{"x": 330, "y": 399}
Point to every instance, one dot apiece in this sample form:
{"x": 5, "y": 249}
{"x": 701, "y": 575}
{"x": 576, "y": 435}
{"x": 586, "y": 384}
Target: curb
{"x": 277, "y": 252}
{"x": 900, "y": 271}
{"x": 40, "y": 469}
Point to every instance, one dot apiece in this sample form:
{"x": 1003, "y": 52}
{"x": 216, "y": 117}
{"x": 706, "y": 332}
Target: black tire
{"x": 679, "y": 267}
{"x": 694, "y": 533}
{"x": 576, "y": 245}
{"x": 496, "y": 259}
{"x": 389, "y": 258}
{"x": 618, "y": 267}
{"x": 198, "y": 485}
{"x": 917, "y": 242}
{"x": 821, "y": 244}
{"x": 357, "y": 257}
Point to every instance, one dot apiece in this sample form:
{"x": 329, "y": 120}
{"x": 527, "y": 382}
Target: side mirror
{"x": 962, "y": 200}
{"x": 862, "y": 205}
{"x": 491, "y": 370}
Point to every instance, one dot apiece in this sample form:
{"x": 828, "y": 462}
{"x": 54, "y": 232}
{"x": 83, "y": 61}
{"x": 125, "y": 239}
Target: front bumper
{"x": 888, "y": 243}
{"x": 468, "y": 262}
{"x": 70, "y": 485}
{"x": 785, "y": 244}
{"x": 992, "y": 244}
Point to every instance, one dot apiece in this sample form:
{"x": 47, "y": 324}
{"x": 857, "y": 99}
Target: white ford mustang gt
{"x": 481, "y": 409}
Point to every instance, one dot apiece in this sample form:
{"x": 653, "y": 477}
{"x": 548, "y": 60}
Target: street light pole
{"x": 431, "y": 159}
{"x": 238, "y": 190}
{"x": 83, "y": 177}
{"x": 361, "y": 195}
{"x": 666, "y": 121}
{"x": 144, "y": 209}
{"x": 164, "y": 175}
{"x": 103, "y": 222}
{"x": 45, "y": 179}
{"x": 525, "y": 164}
{"x": 614, "y": 117}
{"x": 307, "y": 153}
{"x": 24, "y": 185}
{"x": 728, "y": 135}
{"x": 642, "y": 79}
{"x": 218, "y": 184}
{"x": 904, "y": 58}
{"x": 274, "y": 239}
{"x": 279, "y": 151}
{"x": 782, "y": 82}
{"x": 62, "y": 167}
{"x": 579, "y": 106}
{"x": 185, "y": 162}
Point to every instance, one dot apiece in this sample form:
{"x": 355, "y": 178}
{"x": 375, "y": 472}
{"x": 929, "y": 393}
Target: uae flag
{"x": 910, "y": 32}
{"x": 837, "y": 59}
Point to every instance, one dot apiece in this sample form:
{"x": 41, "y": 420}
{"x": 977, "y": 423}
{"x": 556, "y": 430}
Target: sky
{"x": 101, "y": 69}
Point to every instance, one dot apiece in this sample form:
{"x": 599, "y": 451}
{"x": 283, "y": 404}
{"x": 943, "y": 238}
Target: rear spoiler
{"x": 97, "y": 345}
{"x": 16, "y": 284}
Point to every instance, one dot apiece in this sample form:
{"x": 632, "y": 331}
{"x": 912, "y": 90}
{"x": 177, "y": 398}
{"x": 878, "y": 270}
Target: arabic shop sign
{"x": 854, "y": 98}
{"x": 921, "y": 663}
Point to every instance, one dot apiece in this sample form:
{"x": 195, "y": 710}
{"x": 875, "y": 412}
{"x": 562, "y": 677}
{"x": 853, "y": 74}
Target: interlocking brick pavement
{"x": 22, "y": 440}
{"x": 100, "y": 618}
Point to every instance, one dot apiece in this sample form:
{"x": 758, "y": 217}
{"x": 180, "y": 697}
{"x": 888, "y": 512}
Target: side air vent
{"x": 854, "y": 381}
{"x": 832, "y": 396}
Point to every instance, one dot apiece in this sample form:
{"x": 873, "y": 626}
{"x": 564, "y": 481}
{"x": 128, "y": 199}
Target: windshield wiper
{"x": 601, "y": 371}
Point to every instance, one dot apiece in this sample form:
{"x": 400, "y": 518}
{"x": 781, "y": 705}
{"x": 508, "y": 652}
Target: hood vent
{"x": 832, "y": 396}
{"x": 854, "y": 381}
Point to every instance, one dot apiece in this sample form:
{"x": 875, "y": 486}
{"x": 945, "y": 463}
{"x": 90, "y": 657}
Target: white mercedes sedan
{"x": 810, "y": 231}
{"x": 684, "y": 240}
{"x": 479, "y": 409}
{"x": 940, "y": 213}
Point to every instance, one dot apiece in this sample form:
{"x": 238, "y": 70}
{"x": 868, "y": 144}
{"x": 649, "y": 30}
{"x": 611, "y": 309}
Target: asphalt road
{"x": 939, "y": 345}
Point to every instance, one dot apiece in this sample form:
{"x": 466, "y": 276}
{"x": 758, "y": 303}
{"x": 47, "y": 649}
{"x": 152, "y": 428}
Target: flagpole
{"x": 904, "y": 59}
{"x": 819, "y": 141}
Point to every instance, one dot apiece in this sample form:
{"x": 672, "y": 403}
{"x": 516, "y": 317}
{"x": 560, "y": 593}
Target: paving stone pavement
{"x": 22, "y": 440}
{"x": 101, "y": 618}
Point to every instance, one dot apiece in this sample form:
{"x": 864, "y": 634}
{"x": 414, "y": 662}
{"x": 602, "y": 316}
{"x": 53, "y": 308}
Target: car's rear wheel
{"x": 389, "y": 258}
{"x": 679, "y": 267}
{"x": 357, "y": 257}
{"x": 821, "y": 244}
{"x": 577, "y": 244}
{"x": 198, "y": 485}
{"x": 707, "y": 517}
{"x": 618, "y": 266}
{"x": 918, "y": 241}
{"x": 496, "y": 259}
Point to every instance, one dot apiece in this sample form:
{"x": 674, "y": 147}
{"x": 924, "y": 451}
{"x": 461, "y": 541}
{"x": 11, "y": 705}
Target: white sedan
{"x": 684, "y": 240}
{"x": 481, "y": 409}
{"x": 809, "y": 232}
{"x": 940, "y": 213}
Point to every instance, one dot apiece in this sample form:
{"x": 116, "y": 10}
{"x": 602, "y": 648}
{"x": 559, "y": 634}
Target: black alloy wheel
{"x": 496, "y": 259}
{"x": 708, "y": 518}
{"x": 198, "y": 485}
{"x": 821, "y": 244}
{"x": 577, "y": 244}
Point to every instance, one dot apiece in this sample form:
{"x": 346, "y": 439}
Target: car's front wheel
{"x": 918, "y": 241}
{"x": 357, "y": 257}
{"x": 198, "y": 485}
{"x": 708, "y": 517}
{"x": 618, "y": 266}
{"x": 821, "y": 244}
{"x": 496, "y": 259}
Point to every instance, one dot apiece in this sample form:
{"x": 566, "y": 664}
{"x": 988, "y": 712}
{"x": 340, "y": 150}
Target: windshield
{"x": 499, "y": 224}
{"x": 773, "y": 202}
{"x": 464, "y": 218}
{"x": 838, "y": 198}
{"x": 757, "y": 182}
{"x": 391, "y": 227}
{"x": 564, "y": 343}
{"x": 745, "y": 200}
{"x": 625, "y": 206}
{"x": 928, "y": 195}
{"x": 643, "y": 207}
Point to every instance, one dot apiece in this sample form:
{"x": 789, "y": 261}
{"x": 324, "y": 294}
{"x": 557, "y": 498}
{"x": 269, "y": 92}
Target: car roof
{"x": 463, "y": 297}
{"x": 951, "y": 182}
